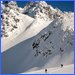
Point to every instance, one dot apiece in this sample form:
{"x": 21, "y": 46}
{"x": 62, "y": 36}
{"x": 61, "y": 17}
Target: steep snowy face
{"x": 51, "y": 47}
{"x": 40, "y": 10}
{"x": 14, "y": 18}
{"x": 17, "y": 20}
{"x": 44, "y": 40}
{"x": 13, "y": 21}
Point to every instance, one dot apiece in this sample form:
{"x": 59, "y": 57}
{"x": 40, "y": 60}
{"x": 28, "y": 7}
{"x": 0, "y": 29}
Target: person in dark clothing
{"x": 61, "y": 65}
{"x": 61, "y": 50}
{"x": 45, "y": 70}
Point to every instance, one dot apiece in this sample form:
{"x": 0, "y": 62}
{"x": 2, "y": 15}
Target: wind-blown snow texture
{"x": 35, "y": 37}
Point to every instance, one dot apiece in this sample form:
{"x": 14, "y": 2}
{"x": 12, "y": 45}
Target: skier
{"x": 61, "y": 65}
{"x": 45, "y": 70}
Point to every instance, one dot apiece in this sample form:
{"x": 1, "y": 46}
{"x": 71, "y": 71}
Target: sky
{"x": 62, "y": 5}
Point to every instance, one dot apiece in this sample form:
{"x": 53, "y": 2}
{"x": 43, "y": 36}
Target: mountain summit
{"x": 41, "y": 10}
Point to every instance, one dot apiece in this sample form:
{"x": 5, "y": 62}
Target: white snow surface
{"x": 54, "y": 49}
{"x": 69, "y": 69}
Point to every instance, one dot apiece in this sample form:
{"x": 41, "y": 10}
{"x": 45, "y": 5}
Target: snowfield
{"x": 69, "y": 69}
{"x": 37, "y": 37}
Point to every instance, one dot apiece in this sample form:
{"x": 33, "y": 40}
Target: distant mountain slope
{"x": 13, "y": 21}
{"x": 41, "y": 42}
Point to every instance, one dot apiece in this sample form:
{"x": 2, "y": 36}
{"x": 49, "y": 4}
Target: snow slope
{"x": 26, "y": 33}
{"x": 25, "y": 53}
{"x": 69, "y": 69}
{"x": 53, "y": 40}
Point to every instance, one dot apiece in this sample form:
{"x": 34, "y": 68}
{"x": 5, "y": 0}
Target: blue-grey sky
{"x": 62, "y": 5}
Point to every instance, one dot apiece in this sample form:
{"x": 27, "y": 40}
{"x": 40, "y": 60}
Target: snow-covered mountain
{"x": 35, "y": 37}
{"x": 13, "y": 21}
{"x": 41, "y": 10}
